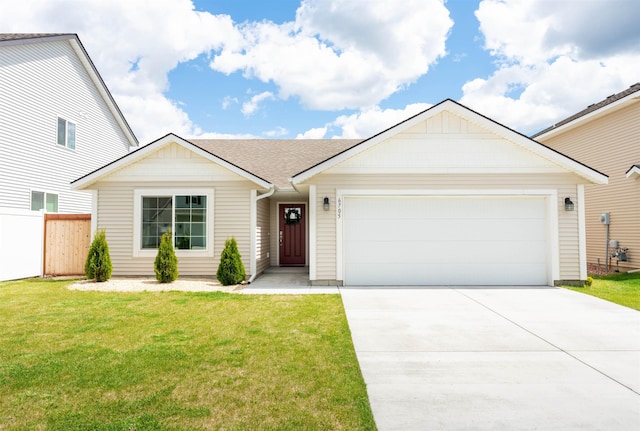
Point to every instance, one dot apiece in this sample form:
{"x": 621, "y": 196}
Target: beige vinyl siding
{"x": 565, "y": 184}
{"x": 41, "y": 82}
{"x": 231, "y": 218}
{"x": 611, "y": 145}
{"x": 263, "y": 236}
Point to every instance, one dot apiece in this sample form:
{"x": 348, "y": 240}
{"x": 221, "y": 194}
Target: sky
{"x": 284, "y": 69}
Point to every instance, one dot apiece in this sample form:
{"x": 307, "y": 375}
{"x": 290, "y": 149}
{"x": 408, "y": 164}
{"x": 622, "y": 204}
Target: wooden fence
{"x": 67, "y": 238}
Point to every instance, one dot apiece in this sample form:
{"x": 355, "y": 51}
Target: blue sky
{"x": 343, "y": 68}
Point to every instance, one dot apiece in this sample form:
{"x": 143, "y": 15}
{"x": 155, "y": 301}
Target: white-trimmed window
{"x": 66, "y": 133}
{"x": 44, "y": 201}
{"x": 187, "y": 212}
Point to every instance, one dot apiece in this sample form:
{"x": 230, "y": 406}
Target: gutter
{"x": 254, "y": 240}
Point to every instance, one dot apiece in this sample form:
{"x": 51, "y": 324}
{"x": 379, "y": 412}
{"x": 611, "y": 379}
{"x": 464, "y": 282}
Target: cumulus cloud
{"x": 364, "y": 123}
{"x": 341, "y": 53}
{"x": 250, "y": 107}
{"x": 552, "y": 59}
{"x": 133, "y": 46}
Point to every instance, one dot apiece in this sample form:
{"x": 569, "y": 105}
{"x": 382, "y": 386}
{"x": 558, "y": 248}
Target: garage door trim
{"x": 551, "y": 196}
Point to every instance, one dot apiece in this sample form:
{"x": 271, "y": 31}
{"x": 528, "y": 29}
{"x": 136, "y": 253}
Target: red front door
{"x": 292, "y": 235}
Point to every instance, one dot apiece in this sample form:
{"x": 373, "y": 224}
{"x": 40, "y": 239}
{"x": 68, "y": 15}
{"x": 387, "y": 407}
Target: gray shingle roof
{"x": 591, "y": 108}
{"x": 275, "y": 160}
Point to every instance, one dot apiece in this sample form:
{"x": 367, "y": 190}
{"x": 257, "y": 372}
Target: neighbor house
{"x": 58, "y": 121}
{"x": 446, "y": 197}
{"x": 606, "y": 136}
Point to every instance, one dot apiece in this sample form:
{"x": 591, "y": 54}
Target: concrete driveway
{"x": 496, "y": 359}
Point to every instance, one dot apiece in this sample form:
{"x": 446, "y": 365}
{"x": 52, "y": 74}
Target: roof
{"x": 10, "y": 39}
{"x": 449, "y": 104}
{"x": 602, "y": 105}
{"x": 275, "y": 160}
{"x": 286, "y": 162}
{"x": 85, "y": 181}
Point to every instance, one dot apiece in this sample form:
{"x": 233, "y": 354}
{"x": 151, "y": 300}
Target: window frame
{"x": 44, "y": 201}
{"x": 66, "y": 133}
{"x": 138, "y": 194}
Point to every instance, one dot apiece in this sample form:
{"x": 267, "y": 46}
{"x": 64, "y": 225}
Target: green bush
{"x": 230, "y": 269}
{"x": 166, "y": 263}
{"x": 589, "y": 281}
{"x": 98, "y": 264}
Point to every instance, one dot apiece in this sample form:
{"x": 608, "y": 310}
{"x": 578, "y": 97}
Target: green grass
{"x": 623, "y": 289}
{"x": 72, "y": 360}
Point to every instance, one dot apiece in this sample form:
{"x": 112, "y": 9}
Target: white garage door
{"x": 419, "y": 240}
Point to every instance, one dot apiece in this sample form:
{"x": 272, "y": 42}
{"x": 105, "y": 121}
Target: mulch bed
{"x": 594, "y": 269}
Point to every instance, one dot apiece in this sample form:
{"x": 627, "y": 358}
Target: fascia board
{"x": 84, "y": 182}
{"x": 368, "y": 143}
{"x": 103, "y": 90}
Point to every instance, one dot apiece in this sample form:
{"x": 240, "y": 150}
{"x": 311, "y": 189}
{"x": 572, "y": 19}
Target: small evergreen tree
{"x": 230, "y": 269}
{"x": 98, "y": 264}
{"x": 166, "y": 263}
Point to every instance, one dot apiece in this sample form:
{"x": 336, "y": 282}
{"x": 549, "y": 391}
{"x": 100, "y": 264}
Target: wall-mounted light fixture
{"x": 325, "y": 203}
{"x": 568, "y": 205}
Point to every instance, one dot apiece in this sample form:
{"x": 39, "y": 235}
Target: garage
{"x": 445, "y": 240}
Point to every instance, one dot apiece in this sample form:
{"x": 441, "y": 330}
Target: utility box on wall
{"x": 604, "y": 218}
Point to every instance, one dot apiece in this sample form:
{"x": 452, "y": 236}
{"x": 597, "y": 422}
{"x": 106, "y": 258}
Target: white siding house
{"x": 58, "y": 121}
{"x": 447, "y": 197}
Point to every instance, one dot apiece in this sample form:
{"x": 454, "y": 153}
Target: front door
{"x": 292, "y": 235}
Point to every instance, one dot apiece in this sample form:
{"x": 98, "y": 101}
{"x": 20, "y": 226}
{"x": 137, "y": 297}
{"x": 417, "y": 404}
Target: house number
{"x": 339, "y": 210}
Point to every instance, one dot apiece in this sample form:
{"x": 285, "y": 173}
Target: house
{"x": 446, "y": 197}
{"x": 606, "y": 136}
{"x": 58, "y": 121}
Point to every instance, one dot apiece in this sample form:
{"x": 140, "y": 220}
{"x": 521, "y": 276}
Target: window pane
{"x": 156, "y": 219}
{"x": 62, "y": 126}
{"x": 37, "y": 201}
{"x": 71, "y": 135}
{"x": 190, "y": 222}
{"x": 52, "y": 203}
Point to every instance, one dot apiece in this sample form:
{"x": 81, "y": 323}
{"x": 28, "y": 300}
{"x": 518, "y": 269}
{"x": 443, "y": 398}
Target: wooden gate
{"x": 67, "y": 238}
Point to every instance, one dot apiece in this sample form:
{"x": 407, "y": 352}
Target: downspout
{"x": 254, "y": 239}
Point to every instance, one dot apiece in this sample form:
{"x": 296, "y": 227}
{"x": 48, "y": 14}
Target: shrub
{"x": 166, "y": 263}
{"x": 589, "y": 281}
{"x": 98, "y": 264}
{"x": 230, "y": 269}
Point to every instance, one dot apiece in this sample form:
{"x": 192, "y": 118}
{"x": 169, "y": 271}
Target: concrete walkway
{"x": 286, "y": 281}
{"x": 496, "y": 359}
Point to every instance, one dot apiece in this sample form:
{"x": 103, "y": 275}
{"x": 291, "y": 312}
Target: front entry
{"x": 292, "y": 235}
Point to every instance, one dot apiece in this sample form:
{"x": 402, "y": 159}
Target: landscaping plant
{"x": 166, "y": 263}
{"x": 230, "y": 270}
{"x": 98, "y": 264}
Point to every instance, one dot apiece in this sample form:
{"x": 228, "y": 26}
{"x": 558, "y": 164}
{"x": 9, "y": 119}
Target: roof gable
{"x": 10, "y": 39}
{"x": 432, "y": 139}
{"x": 143, "y": 156}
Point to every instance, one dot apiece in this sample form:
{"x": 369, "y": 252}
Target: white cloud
{"x": 342, "y": 53}
{"x": 278, "y": 131}
{"x": 134, "y": 45}
{"x": 315, "y": 133}
{"x": 365, "y": 123}
{"x": 550, "y": 63}
{"x": 228, "y": 101}
{"x": 249, "y": 108}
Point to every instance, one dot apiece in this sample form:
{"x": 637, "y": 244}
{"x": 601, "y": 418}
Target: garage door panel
{"x": 447, "y": 275}
{"x": 415, "y": 240}
{"x": 424, "y": 229}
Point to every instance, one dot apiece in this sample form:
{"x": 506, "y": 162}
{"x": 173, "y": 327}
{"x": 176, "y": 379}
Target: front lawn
{"x": 72, "y": 360}
{"x": 623, "y": 289}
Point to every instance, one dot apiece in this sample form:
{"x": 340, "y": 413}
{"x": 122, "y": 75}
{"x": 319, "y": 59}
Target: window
{"x": 42, "y": 200}
{"x": 184, "y": 212}
{"x": 66, "y": 133}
